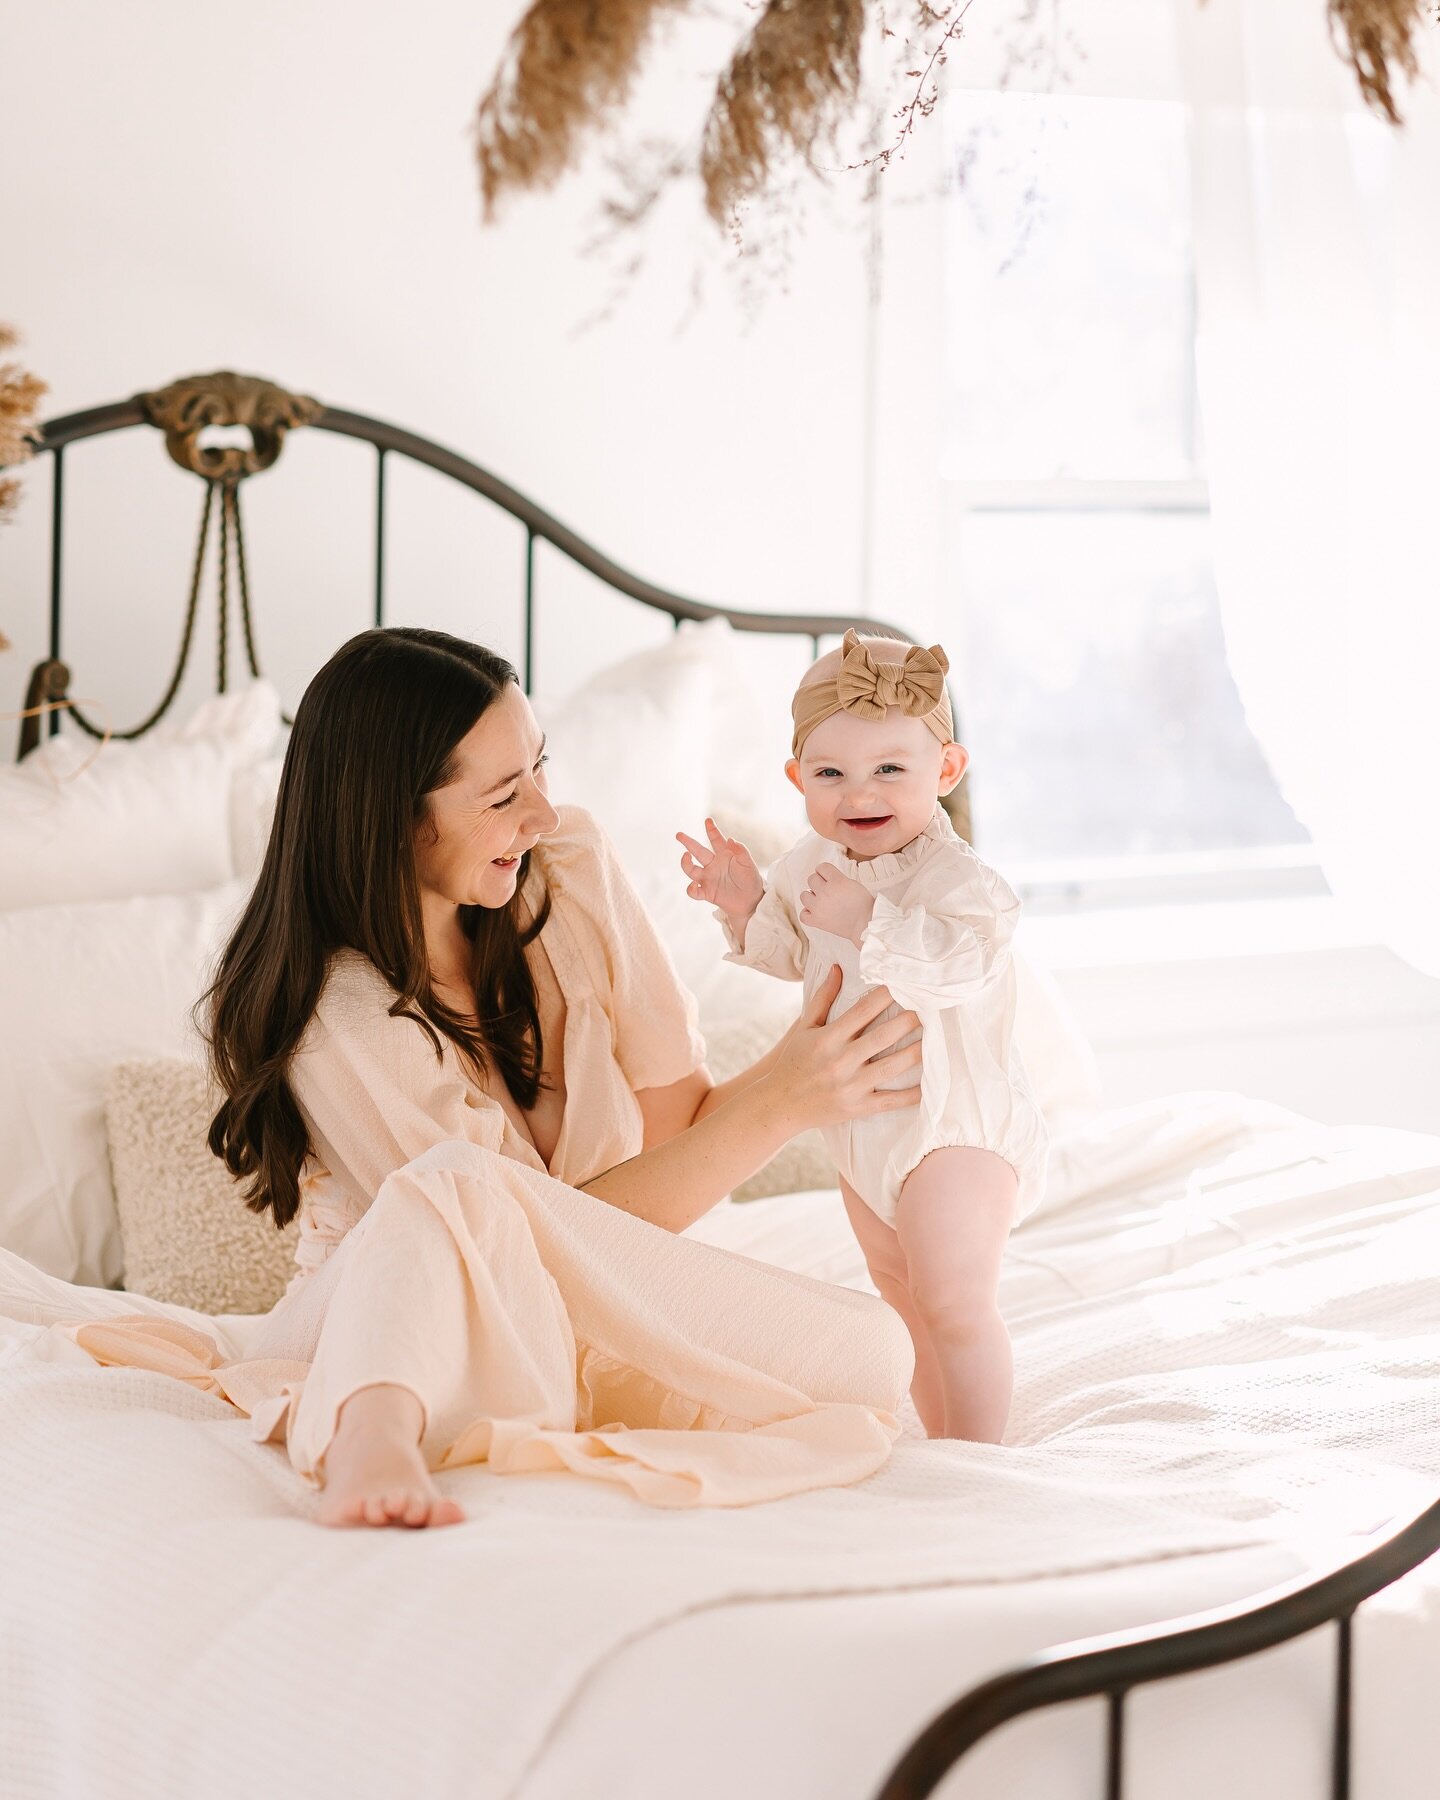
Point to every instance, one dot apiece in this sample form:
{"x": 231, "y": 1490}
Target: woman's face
{"x": 491, "y": 811}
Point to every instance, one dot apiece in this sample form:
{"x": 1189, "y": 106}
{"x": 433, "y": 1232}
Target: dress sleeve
{"x": 653, "y": 1014}
{"x": 775, "y": 941}
{"x": 949, "y": 942}
{"x": 373, "y": 1089}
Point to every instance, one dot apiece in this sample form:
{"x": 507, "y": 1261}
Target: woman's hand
{"x": 724, "y": 874}
{"x": 822, "y": 1073}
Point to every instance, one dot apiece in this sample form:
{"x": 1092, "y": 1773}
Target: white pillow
{"x": 150, "y": 817}
{"x": 252, "y": 813}
{"x": 631, "y": 745}
{"x": 754, "y": 675}
{"x": 82, "y": 988}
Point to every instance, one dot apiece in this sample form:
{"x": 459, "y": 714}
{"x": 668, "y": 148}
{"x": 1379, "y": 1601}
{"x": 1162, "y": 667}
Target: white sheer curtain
{"x": 1317, "y": 235}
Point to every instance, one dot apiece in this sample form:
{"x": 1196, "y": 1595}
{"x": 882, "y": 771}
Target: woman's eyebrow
{"x": 505, "y": 780}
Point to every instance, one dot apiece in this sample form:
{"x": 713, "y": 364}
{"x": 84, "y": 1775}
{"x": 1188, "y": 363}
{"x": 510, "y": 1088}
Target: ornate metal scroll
{"x": 185, "y": 408}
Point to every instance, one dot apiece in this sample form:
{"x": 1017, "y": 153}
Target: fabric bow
{"x": 866, "y": 687}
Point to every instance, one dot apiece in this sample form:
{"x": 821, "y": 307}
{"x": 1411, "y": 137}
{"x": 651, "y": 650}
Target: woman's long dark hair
{"x": 374, "y": 734}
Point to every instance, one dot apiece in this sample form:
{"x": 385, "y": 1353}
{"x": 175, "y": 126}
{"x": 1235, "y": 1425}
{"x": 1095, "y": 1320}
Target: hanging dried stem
{"x": 20, "y": 397}
{"x": 568, "y": 65}
{"x": 924, "y": 97}
{"x": 1380, "y": 44}
{"x": 784, "y": 90}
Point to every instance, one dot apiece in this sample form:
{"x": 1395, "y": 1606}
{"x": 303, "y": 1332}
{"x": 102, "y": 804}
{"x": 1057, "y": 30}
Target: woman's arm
{"x": 817, "y": 1074}
{"x": 683, "y": 1103}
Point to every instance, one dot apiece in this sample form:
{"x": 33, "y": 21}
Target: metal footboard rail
{"x": 1110, "y": 1666}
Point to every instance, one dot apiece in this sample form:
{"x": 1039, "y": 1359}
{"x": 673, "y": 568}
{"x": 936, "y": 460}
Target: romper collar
{"x": 880, "y": 871}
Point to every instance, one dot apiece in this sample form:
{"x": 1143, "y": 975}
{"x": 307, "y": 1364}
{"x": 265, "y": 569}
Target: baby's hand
{"x": 724, "y": 875}
{"x": 835, "y": 901}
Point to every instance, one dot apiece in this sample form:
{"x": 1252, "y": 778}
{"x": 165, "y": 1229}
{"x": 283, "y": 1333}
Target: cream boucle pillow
{"x": 732, "y": 1045}
{"x": 188, "y": 1236}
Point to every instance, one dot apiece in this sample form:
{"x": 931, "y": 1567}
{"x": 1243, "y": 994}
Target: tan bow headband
{"x": 868, "y": 688}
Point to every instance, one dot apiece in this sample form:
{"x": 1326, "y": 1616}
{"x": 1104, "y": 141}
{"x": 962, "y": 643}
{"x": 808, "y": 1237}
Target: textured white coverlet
{"x": 1226, "y": 1336}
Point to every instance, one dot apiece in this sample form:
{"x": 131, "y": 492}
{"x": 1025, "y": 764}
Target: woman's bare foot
{"x": 374, "y": 1472}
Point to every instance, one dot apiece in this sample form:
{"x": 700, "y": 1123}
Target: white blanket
{"x": 1225, "y": 1331}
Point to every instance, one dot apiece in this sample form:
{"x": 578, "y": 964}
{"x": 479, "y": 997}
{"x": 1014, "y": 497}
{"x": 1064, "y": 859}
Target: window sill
{"x": 1090, "y": 937}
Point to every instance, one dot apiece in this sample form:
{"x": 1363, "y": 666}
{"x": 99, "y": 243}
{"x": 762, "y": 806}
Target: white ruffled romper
{"x": 939, "y": 941}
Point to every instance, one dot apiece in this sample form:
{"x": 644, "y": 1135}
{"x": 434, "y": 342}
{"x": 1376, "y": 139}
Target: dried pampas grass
{"x": 571, "y": 64}
{"x": 568, "y": 64}
{"x": 783, "y": 93}
{"x": 1379, "y": 44}
{"x": 20, "y": 397}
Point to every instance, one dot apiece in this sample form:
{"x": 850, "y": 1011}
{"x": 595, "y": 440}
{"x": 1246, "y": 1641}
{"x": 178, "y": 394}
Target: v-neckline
{"x": 546, "y": 938}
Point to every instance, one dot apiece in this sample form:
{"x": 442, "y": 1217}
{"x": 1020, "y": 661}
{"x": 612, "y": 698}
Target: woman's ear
{"x": 792, "y": 773}
{"x": 954, "y": 760}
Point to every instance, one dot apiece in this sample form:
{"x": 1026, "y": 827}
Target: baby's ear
{"x": 954, "y": 760}
{"x": 792, "y": 774}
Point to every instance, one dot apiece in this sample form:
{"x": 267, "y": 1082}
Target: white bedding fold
{"x": 1235, "y": 1352}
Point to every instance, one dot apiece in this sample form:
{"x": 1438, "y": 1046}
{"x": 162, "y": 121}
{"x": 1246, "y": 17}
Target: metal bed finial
{"x": 182, "y": 411}
{"x": 189, "y": 406}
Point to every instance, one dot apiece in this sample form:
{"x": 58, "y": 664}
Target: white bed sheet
{"x": 339, "y": 1655}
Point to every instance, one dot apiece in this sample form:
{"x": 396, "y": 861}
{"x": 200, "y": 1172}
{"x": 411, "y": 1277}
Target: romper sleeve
{"x": 372, "y": 1088}
{"x": 653, "y": 1014}
{"x": 775, "y": 941}
{"x": 950, "y": 940}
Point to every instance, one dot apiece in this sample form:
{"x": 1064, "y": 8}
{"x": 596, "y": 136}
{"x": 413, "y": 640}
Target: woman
{"x": 435, "y": 955}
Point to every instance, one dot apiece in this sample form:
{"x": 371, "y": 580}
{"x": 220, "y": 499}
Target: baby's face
{"x": 870, "y": 785}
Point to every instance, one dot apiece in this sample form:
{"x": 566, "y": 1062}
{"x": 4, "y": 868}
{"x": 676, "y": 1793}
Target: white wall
{"x": 289, "y": 190}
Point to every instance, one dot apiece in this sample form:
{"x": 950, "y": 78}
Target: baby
{"x": 883, "y": 887}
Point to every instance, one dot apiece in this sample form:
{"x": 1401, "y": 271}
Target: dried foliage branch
{"x": 783, "y": 93}
{"x": 20, "y": 397}
{"x": 929, "y": 60}
{"x": 568, "y": 65}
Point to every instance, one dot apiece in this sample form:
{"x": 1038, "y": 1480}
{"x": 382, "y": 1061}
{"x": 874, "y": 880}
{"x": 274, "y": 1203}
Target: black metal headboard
{"x": 188, "y": 407}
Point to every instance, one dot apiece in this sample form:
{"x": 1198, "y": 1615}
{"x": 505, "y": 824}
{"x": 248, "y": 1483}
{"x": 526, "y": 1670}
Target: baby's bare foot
{"x": 374, "y": 1472}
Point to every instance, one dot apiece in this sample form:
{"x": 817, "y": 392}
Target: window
{"x": 1106, "y": 730}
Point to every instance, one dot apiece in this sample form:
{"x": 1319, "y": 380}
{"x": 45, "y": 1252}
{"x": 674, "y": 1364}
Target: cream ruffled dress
{"x": 939, "y": 940}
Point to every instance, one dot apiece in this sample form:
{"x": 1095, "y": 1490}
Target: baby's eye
{"x": 891, "y": 769}
{"x": 827, "y": 771}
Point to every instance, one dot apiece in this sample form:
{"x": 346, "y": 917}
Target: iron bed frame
{"x": 1106, "y": 1667}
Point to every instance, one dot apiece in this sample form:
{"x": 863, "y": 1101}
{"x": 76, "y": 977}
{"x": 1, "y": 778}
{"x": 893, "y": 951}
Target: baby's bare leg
{"x": 955, "y": 1212}
{"x": 886, "y": 1262}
